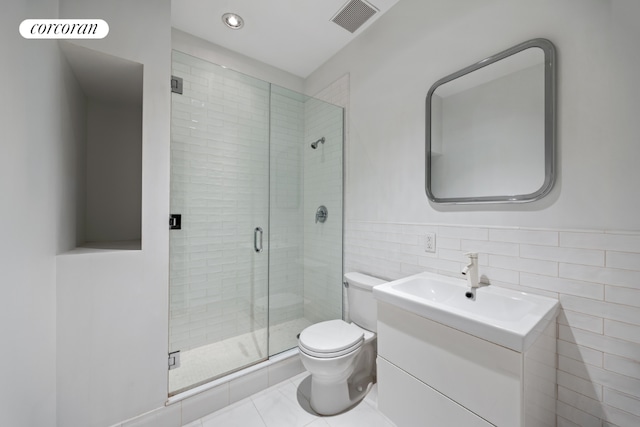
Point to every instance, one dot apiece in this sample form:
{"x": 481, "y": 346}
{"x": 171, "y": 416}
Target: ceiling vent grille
{"x": 354, "y": 14}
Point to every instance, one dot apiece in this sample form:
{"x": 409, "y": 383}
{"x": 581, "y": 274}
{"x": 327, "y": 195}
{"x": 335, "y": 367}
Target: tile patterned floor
{"x": 287, "y": 405}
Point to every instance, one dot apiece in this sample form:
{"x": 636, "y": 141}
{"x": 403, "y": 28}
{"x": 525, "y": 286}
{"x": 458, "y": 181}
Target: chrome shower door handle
{"x": 255, "y": 239}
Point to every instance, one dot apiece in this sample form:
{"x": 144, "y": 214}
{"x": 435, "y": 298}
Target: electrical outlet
{"x": 430, "y": 242}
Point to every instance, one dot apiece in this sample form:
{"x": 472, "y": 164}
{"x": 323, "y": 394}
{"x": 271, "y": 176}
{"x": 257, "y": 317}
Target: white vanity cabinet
{"x": 433, "y": 375}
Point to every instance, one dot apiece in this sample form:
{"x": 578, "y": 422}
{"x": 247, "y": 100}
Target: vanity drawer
{"x": 418, "y": 401}
{"x": 483, "y": 377}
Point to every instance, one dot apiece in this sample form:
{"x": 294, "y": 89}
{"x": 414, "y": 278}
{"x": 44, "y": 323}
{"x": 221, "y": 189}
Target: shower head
{"x": 314, "y": 145}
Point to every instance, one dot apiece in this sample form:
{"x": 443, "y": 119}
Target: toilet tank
{"x": 363, "y": 309}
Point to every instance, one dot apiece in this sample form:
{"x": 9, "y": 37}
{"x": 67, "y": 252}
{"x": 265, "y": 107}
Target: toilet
{"x": 341, "y": 356}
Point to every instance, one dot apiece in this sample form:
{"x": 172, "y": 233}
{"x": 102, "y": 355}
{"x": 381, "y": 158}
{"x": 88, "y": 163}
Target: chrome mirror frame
{"x": 549, "y": 125}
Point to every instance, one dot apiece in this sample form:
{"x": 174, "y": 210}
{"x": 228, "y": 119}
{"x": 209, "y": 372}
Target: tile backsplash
{"x": 594, "y": 274}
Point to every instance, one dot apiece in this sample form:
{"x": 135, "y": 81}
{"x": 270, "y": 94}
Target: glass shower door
{"x": 220, "y": 187}
{"x": 305, "y": 258}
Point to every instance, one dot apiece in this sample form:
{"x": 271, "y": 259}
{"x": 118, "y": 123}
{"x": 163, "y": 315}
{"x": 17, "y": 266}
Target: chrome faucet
{"x": 471, "y": 270}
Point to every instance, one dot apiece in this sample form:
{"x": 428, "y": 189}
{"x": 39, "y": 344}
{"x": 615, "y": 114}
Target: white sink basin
{"x": 505, "y": 317}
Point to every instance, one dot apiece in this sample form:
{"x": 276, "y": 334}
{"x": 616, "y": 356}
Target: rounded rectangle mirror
{"x": 490, "y": 129}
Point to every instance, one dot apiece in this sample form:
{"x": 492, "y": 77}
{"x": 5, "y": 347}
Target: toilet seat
{"x": 329, "y": 355}
{"x": 331, "y": 338}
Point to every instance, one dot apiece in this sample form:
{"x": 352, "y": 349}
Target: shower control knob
{"x": 321, "y": 214}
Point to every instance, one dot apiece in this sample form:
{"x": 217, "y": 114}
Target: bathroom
{"x": 579, "y": 244}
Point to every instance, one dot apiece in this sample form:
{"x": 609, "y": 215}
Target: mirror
{"x": 491, "y": 129}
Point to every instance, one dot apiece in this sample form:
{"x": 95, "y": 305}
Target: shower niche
{"x": 245, "y": 156}
{"x": 109, "y": 159}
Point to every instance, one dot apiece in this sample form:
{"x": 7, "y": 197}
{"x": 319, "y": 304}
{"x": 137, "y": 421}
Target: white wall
{"x": 41, "y": 116}
{"x": 114, "y": 171}
{"x": 393, "y": 64}
{"x": 114, "y": 304}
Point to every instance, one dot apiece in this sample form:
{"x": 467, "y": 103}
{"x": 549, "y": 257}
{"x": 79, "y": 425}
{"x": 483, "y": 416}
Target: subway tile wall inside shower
{"x": 594, "y": 274}
{"x": 286, "y": 207}
{"x": 323, "y": 186}
{"x": 219, "y": 183}
{"x": 221, "y": 130}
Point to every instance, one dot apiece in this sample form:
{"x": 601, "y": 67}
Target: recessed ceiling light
{"x": 233, "y": 21}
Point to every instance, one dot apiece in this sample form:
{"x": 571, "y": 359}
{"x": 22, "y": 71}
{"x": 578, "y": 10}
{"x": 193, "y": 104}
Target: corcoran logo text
{"x": 64, "y": 29}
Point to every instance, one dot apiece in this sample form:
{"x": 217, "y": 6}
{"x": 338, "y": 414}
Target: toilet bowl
{"x": 340, "y": 356}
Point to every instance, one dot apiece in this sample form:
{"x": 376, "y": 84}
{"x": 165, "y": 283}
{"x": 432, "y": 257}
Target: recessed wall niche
{"x": 109, "y": 169}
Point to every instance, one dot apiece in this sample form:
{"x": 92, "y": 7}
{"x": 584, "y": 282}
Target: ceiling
{"x": 297, "y": 36}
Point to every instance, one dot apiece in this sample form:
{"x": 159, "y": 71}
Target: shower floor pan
{"x": 202, "y": 364}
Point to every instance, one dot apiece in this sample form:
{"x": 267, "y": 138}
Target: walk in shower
{"x": 252, "y": 262}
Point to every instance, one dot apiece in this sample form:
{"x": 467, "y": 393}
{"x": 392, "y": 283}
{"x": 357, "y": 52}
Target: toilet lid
{"x": 331, "y": 336}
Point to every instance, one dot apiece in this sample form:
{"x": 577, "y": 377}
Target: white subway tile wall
{"x": 595, "y": 275}
{"x": 323, "y": 187}
{"x": 286, "y": 204}
{"x": 323, "y": 183}
{"x": 220, "y": 185}
{"x": 241, "y": 158}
